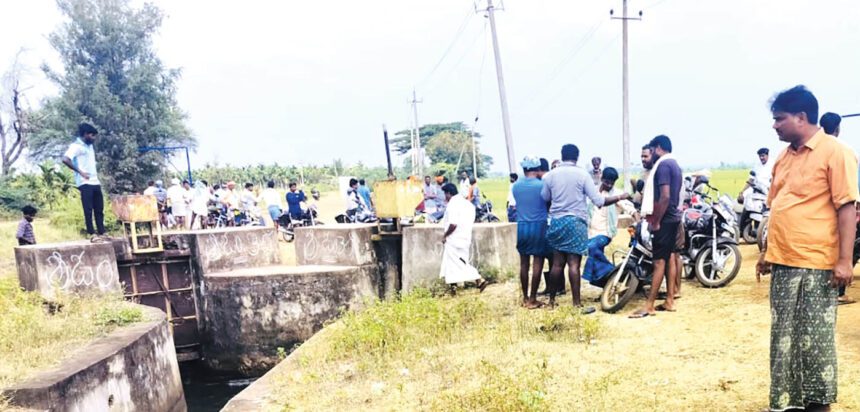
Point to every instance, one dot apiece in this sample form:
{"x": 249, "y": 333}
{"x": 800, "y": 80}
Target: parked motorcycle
{"x": 484, "y": 213}
{"x": 287, "y": 225}
{"x": 755, "y": 206}
{"x": 711, "y": 244}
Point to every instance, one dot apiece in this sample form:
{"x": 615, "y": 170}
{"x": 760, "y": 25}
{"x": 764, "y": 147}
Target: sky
{"x": 306, "y": 82}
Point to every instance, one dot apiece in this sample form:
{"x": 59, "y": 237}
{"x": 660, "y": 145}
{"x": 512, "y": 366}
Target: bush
{"x": 68, "y": 213}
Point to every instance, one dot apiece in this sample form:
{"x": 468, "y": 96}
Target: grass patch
{"x": 35, "y": 335}
{"x": 469, "y": 352}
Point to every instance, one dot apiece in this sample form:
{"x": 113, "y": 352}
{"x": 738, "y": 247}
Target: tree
{"x": 402, "y": 141}
{"x": 113, "y": 79}
{"x": 14, "y": 127}
{"x": 451, "y": 148}
{"x": 446, "y": 144}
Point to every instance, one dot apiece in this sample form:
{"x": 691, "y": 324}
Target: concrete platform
{"x": 339, "y": 245}
{"x": 250, "y": 313}
{"x": 131, "y": 369}
{"x": 78, "y": 267}
{"x": 226, "y": 249}
{"x": 494, "y": 246}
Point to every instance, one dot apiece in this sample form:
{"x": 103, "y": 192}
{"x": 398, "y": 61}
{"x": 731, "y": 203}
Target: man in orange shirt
{"x": 809, "y": 247}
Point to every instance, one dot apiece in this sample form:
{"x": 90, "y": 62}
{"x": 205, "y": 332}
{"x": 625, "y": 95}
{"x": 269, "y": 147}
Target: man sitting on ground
{"x": 602, "y": 228}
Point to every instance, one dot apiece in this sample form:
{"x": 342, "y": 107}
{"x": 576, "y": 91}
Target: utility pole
{"x": 506, "y": 122}
{"x": 474, "y": 151}
{"x": 417, "y": 154}
{"x": 625, "y": 84}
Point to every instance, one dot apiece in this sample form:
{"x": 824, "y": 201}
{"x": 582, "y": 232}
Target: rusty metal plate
{"x": 135, "y": 208}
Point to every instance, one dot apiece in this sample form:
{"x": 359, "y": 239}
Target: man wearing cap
{"x": 81, "y": 158}
{"x": 531, "y": 228}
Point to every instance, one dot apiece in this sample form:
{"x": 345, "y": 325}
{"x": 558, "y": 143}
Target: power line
{"x": 574, "y": 51}
{"x": 460, "y": 31}
{"x": 469, "y": 47}
{"x": 579, "y": 75}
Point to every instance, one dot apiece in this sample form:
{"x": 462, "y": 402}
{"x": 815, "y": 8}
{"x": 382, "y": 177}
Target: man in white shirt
{"x": 273, "y": 202}
{"x": 465, "y": 185}
{"x": 81, "y": 158}
{"x": 765, "y": 169}
{"x": 458, "y": 222}
{"x": 178, "y": 203}
{"x": 512, "y": 202}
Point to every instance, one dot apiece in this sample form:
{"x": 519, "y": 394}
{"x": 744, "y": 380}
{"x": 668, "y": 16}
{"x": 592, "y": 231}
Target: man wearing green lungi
{"x": 809, "y": 250}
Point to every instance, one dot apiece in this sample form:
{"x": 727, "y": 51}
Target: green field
{"x": 728, "y": 181}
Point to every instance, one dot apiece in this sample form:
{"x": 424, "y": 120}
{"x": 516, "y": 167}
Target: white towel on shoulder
{"x": 648, "y": 193}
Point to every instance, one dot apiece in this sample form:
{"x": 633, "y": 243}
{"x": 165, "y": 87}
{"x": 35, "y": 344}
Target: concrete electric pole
{"x": 509, "y": 142}
{"x": 417, "y": 153}
{"x": 625, "y": 91}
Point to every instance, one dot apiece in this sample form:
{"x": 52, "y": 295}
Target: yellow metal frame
{"x": 135, "y": 247}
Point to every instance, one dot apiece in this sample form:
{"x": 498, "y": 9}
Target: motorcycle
{"x": 287, "y": 225}
{"x": 755, "y": 207}
{"x": 635, "y": 268}
{"x": 484, "y": 212}
{"x": 711, "y": 248}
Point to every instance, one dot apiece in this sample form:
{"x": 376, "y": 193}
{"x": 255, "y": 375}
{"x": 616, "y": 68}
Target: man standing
{"x": 295, "y": 198}
{"x": 474, "y": 196}
{"x": 602, "y": 228}
{"x": 531, "y": 229}
{"x": 464, "y": 184}
{"x": 364, "y": 192}
{"x": 830, "y": 122}
{"x": 150, "y": 188}
{"x": 512, "y": 202}
{"x": 178, "y": 205}
{"x": 809, "y": 246}
{"x": 765, "y": 169}
{"x": 647, "y": 164}
{"x": 661, "y": 199}
{"x": 81, "y": 158}
{"x": 596, "y": 171}
{"x": 566, "y": 188}
{"x": 457, "y": 240}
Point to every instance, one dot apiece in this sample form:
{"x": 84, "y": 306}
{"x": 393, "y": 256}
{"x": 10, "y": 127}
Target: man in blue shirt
{"x": 566, "y": 188}
{"x": 294, "y": 201}
{"x": 364, "y": 192}
{"x": 81, "y": 158}
{"x": 531, "y": 229}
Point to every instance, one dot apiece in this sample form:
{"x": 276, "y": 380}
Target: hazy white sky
{"x": 310, "y": 81}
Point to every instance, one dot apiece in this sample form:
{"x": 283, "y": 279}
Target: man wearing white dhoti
{"x": 458, "y": 221}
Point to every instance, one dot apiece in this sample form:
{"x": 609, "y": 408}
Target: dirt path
{"x": 713, "y": 353}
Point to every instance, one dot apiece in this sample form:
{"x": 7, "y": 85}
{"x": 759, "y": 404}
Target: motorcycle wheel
{"x": 287, "y": 235}
{"x": 493, "y": 218}
{"x": 761, "y": 236}
{"x": 712, "y": 277}
{"x": 748, "y": 233}
{"x": 619, "y": 289}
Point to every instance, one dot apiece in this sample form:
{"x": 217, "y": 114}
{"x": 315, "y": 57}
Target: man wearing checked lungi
{"x": 808, "y": 249}
{"x": 566, "y": 188}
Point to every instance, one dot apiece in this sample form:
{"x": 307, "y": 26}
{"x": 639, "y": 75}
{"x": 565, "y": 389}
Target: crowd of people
{"x": 182, "y": 206}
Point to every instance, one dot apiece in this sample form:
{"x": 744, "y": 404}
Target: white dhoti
{"x": 455, "y": 264}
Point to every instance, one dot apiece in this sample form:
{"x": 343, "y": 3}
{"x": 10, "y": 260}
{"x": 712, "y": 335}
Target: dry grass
{"x": 712, "y": 355}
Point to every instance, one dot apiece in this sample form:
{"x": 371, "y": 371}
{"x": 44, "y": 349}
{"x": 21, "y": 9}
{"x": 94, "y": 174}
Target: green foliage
{"x": 113, "y": 79}
{"x": 319, "y": 177}
{"x": 387, "y": 327}
{"x": 35, "y": 335}
{"x": 446, "y": 145}
{"x": 68, "y": 214}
